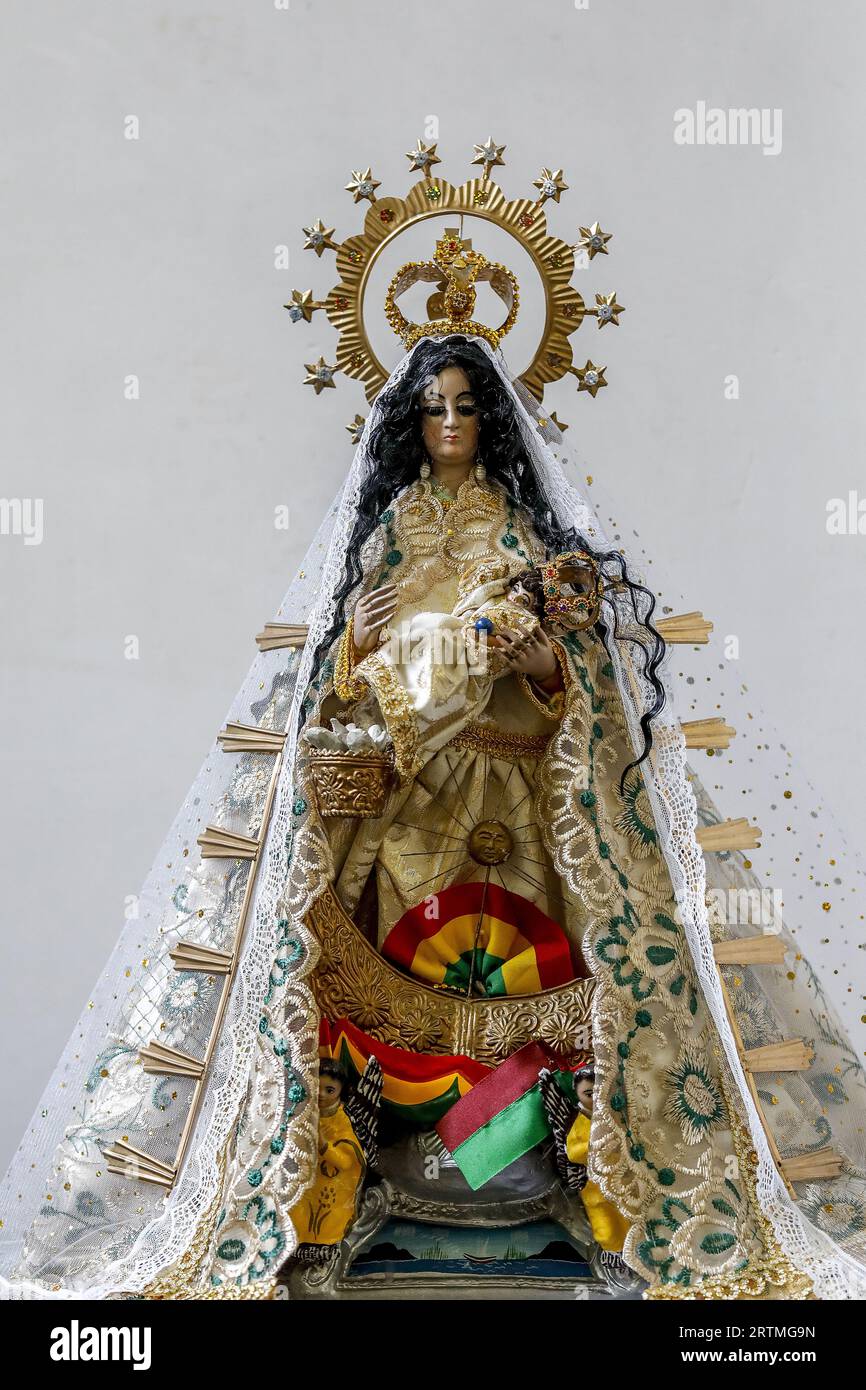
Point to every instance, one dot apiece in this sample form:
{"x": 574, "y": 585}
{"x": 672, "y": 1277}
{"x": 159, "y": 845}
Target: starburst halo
{"x": 480, "y": 198}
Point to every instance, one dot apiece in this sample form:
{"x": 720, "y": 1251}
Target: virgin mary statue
{"x": 447, "y": 891}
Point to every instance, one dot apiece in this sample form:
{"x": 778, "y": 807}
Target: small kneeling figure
{"x": 608, "y": 1227}
{"x": 327, "y": 1209}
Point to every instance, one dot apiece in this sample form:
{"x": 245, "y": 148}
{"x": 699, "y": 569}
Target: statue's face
{"x": 450, "y": 419}
{"x": 522, "y": 597}
{"x": 584, "y": 1092}
{"x": 490, "y": 842}
{"x": 330, "y": 1089}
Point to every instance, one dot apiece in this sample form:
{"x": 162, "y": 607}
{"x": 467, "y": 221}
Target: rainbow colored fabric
{"x": 517, "y": 949}
{"x": 417, "y": 1088}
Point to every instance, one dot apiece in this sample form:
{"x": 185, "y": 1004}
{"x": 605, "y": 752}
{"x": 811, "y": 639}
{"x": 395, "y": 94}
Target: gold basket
{"x": 351, "y": 784}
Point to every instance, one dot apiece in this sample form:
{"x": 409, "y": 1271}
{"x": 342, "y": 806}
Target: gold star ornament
{"x": 356, "y": 429}
{"x": 489, "y": 154}
{"x": 319, "y": 375}
{"x": 594, "y": 241}
{"x": 607, "y": 309}
{"x": 319, "y": 238}
{"x": 550, "y": 184}
{"x": 363, "y": 185}
{"x": 590, "y": 378}
{"x": 423, "y": 158}
{"x": 302, "y": 305}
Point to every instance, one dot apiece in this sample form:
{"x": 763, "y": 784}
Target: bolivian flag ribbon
{"x": 500, "y": 1119}
{"x": 418, "y": 1088}
{"x": 486, "y": 933}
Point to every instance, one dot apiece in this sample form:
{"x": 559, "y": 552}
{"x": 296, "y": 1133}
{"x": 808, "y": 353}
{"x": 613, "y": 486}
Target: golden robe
{"x": 587, "y": 851}
{"x": 468, "y": 741}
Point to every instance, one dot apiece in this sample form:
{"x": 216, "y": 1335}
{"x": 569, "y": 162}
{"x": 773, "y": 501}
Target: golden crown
{"x": 573, "y": 588}
{"x": 455, "y": 270}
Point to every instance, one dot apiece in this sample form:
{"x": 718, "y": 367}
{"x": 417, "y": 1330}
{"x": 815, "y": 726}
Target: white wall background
{"x": 156, "y": 257}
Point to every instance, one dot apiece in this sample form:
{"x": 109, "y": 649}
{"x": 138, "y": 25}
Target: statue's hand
{"x": 530, "y": 655}
{"x": 373, "y": 611}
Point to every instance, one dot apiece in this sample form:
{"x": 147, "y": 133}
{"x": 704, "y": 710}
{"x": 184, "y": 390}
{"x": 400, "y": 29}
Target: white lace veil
{"x": 71, "y": 1229}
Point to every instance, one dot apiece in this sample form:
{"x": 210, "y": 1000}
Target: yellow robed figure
{"x": 327, "y": 1209}
{"x": 608, "y": 1227}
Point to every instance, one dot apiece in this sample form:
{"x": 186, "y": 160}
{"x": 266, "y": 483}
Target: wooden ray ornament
{"x": 766, "y": 949}
{"x": 707, "y": 733}
{"x": 728, "y": 834}
{"x": 691, "y": 628}
{"x": 751, "y": 1084}
{"x": 218, "y": 843}
{"x": 276, "y": 635}
{"x": 791, "y": 1055}
{"x": 190, "y": 956}
{"x": 824, "y": 1163}
{"x": 215, "y": 842}
{"x": 249, "y": 738}
{"x": 168, "y": 1061}
{"x": 129, "y": 1162}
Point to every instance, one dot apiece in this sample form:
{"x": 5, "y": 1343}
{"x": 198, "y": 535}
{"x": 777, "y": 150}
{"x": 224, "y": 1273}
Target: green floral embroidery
{"x": 694, "y": 1100}
{"x": 636, "y": 824}
{"x": 393, "y": 556}
{"x": 612, "y": 948}
{"x": 271, "y": 1242}
{"x": 510, "y": 540}
{"x": 99, "y": 1070}
{"x": 289, "y": 952}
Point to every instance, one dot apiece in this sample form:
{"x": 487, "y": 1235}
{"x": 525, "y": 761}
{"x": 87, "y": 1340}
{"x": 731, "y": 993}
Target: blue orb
{"x": 483, "y": 625}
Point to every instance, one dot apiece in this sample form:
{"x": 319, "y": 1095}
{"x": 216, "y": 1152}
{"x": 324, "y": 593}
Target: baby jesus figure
{"x": 433, "y": 672}
{"x": 504, "y": 619}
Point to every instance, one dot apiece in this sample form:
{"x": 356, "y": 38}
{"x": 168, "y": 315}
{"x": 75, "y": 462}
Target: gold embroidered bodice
{"x": 439, "y": 540}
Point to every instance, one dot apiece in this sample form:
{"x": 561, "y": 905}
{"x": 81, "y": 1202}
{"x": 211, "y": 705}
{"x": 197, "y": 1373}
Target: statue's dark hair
{"x": 397, "y": 452}
{"x": 328, "y": 1066}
